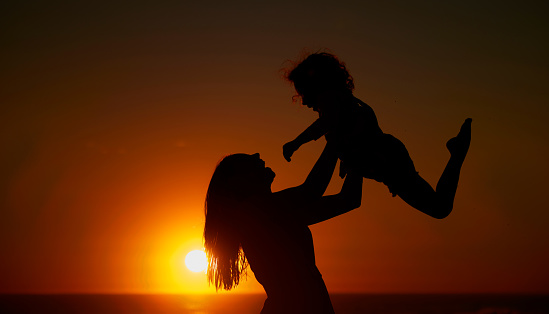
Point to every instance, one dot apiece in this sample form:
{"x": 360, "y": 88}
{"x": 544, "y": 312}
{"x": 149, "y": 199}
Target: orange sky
{"x": 113, "y": 118}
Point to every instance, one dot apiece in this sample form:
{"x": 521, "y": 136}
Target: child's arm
{"x": 313, "y": 132}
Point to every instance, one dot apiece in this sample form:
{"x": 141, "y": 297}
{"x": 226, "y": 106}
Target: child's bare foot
{"x": 459, "y": 145}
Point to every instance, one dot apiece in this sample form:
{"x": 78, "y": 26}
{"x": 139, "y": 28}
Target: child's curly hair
{"x": 320, "y": 71}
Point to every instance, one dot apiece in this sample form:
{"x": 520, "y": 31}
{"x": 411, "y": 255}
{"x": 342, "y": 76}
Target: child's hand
{"x": 288, "y": 150}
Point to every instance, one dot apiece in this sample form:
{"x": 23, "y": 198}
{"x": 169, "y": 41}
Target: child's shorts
{"x": 387, "y": 161}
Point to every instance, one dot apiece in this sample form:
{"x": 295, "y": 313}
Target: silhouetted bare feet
{"x": 459, "y": 145}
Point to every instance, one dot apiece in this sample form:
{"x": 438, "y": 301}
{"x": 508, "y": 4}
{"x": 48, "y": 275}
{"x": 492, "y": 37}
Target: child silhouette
{"x": 325, "y": 85}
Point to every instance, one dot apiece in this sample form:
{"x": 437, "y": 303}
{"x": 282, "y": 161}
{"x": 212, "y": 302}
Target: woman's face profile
{"x": 257, "y": 173}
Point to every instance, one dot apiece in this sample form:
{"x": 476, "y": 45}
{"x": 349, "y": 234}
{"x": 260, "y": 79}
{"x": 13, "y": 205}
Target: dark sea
{"x": 252, "y": 303}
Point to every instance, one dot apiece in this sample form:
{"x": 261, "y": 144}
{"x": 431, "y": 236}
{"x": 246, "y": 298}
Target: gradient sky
{"x": 113, "y": 116}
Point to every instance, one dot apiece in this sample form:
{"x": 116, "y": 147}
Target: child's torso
{"x": 360, "y": 142}
{"x": 355, "y": 126}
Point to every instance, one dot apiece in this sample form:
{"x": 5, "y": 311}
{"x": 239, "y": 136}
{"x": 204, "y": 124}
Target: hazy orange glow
{"x": 112, "y": 123}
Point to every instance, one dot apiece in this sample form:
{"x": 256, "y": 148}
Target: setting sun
{"x": 196, "y": 261}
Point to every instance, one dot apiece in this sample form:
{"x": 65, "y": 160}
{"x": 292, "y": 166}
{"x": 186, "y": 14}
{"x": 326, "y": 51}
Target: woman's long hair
{"x": 226, "y": 260}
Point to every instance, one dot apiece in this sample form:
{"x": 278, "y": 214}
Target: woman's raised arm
{"x": 317, "y": 181}
{"x": 349, "y": 198}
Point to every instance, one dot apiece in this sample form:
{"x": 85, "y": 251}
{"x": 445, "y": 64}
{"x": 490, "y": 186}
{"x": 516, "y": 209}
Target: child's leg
{"x": 420, "y": 195}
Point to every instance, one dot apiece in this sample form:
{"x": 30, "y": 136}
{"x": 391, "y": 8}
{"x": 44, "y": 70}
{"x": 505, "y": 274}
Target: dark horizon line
{"x": 262, "y": 293}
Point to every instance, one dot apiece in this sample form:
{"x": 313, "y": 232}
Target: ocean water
{"x": 243, "y": 304}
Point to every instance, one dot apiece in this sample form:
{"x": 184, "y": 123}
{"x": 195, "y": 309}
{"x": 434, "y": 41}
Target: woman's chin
{"x": 270, "y": 173}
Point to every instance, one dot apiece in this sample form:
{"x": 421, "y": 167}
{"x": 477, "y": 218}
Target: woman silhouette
{"x": 246, "y": 223}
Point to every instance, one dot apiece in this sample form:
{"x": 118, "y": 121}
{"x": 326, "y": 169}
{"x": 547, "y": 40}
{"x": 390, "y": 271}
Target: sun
{"x": 196, "y": 261}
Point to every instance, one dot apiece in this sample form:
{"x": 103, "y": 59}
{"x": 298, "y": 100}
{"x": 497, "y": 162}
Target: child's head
{"x": 320, "y": 72}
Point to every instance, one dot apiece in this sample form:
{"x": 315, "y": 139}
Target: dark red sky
{"x": 114, "y": 116}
